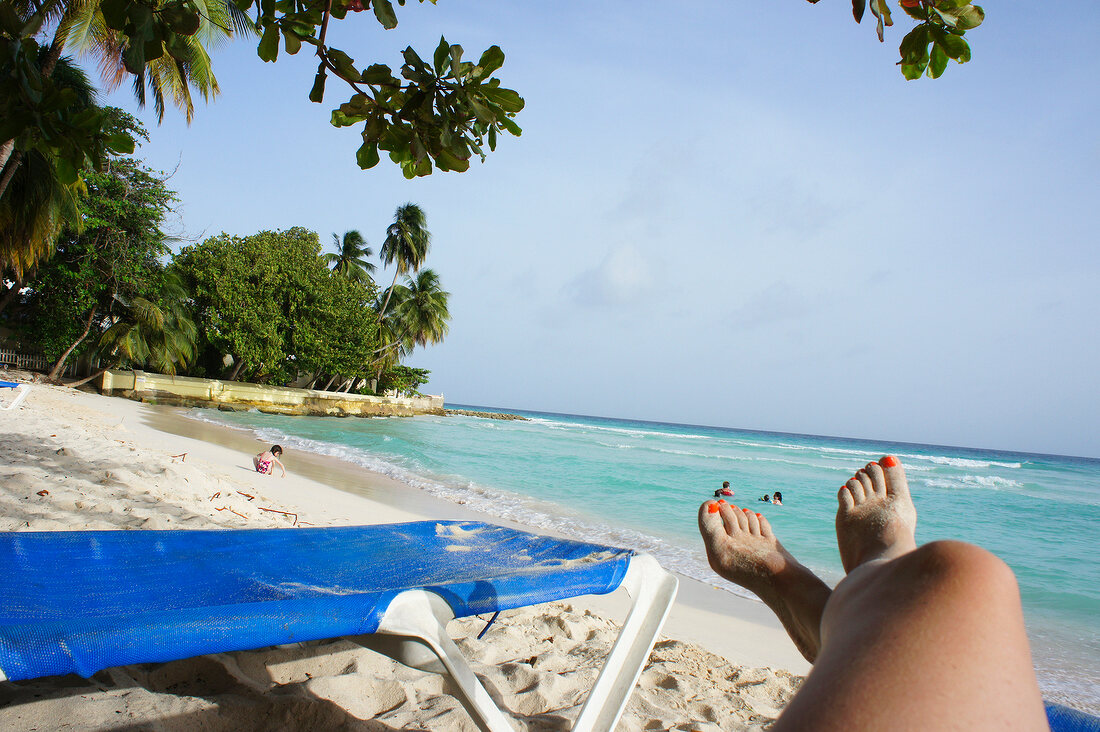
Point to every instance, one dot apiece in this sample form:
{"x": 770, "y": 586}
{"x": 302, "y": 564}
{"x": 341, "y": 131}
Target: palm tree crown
{"x": 407, "y": 239}
{"x": 351, "y": 257}
{"x": 422, "y": 311}
{"x": 406, "y": 245}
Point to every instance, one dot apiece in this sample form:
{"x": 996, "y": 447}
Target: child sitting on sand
{"x": 928, "y": 637}
{"x": 264, "y": 460}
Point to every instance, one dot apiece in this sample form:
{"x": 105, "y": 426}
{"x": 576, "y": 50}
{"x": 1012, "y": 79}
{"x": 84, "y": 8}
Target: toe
{"x": 865, "y": 481}
{"x": 877, "y": 478}
{"x": 765, "y": 527}
{"x": 845, "y": 498}
{"x": 856, "y": 489}
{"x": 894, "y": 476}
{"x": 710, "y": 520}
{"x": 754, "y": 522}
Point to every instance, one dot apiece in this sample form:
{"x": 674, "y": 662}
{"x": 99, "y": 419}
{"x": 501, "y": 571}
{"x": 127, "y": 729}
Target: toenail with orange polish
{"x": 712, "y": 508}
{"x": 758, "y": 516}
{"x": 888, "y": 462}
{"x": 721, "y": 500}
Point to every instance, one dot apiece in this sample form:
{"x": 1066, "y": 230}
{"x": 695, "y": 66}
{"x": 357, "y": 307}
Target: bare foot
{"x": 742, "y": 549}
{"x": 876, "y": 518}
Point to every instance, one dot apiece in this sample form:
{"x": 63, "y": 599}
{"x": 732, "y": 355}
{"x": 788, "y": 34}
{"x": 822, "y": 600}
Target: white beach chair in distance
{"x": 21, "y": 391}
{"x": 82, "y": 601}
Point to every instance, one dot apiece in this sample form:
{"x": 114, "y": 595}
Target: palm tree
{"x": 422, "y": 313}
{"x": 159, "y": 333}
{"x": 38, "y": 205}
{"x": 389, "y": 332}
{"x": 420, "y": 316}
{"x": 83, "y": 27}
{"x": 80, "y": 24}
{"x": 351, "y": 257}
{"x": 406, "y": 244}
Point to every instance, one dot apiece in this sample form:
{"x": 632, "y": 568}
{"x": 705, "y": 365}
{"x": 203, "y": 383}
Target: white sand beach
{"x": 73, "y": 460}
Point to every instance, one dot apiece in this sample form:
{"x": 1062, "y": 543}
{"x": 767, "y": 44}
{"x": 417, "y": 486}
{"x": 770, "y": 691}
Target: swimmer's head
{"x": 276, "y": 450}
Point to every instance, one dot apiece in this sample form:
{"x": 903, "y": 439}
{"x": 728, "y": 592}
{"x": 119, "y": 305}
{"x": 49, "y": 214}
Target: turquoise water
{"x": 638, "y": 484}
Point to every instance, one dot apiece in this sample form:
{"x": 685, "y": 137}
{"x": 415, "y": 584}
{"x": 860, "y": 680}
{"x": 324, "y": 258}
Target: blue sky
{"x": 735, "y": 214}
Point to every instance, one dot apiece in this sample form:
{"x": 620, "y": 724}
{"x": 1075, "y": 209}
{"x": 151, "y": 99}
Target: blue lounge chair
{"x": 79, "y": 602}
{"x": 21, "y": 391}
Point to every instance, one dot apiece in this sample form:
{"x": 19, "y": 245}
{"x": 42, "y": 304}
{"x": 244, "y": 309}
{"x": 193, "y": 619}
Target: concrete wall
{"x": 234, "y": 395}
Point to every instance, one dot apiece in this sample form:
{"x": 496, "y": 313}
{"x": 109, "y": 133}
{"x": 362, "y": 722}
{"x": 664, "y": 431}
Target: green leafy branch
{"x": 936, "y": 39}
{"x": 435, "y": 116}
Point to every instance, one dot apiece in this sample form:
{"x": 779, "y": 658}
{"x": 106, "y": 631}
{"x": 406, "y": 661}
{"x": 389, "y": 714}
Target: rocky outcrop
{"x": 485, "y": 415}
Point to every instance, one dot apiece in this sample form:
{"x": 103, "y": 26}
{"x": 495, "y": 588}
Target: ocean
{"x": 639, "y": 484}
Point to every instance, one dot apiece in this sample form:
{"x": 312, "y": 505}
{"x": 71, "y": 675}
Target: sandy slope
{"x": 72, "y": 460}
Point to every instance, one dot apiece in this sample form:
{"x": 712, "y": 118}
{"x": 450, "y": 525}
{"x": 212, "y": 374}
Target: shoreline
{"x": 758, "y": 639}
{"x": 76, "y": 460}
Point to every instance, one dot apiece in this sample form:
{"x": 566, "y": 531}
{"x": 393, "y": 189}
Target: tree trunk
{"x": 389, "y": 293}
{"x": 60, "y": 365}
{"x": 86, "y": 379}
{"x": 5, "y": 152}
{"x": 17, "y": 285}
{"x": 236, "y": 370}
{"x": 15, "y": 159}
{"x": 330, "y": 382}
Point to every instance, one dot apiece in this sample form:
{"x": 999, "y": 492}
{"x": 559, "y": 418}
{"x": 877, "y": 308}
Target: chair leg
{"x": 20, "y": 394}
{"x": 414, "y": 632}
{"x": 653, "y": 590}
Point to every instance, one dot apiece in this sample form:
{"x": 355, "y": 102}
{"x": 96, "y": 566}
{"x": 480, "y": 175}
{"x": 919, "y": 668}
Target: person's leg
{"x": 742, "y": 548}
{"x": 928, "y": 638}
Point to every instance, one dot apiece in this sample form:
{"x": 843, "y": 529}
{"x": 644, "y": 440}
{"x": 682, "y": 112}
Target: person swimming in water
{"x": 267, "y": 459}
{"x": 928, "y": 637}
{"x": 765, "y": 498}
{"x": 777, "y": 499}
{"x": 724, "y": 490}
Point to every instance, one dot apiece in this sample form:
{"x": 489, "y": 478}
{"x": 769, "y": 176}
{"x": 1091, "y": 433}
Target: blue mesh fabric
{"x": 1066, "y": 719}
{"x": 85, "y": 601}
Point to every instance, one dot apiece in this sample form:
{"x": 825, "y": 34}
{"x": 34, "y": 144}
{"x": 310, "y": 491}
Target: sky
{"x": 722, "y": 213}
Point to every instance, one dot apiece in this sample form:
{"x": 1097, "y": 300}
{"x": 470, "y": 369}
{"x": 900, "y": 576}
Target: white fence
{"x": 30, "y": 361}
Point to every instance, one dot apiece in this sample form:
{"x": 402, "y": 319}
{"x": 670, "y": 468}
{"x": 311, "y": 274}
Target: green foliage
{"x": 937, "y": 37}
{"x": 269, "y": 301}
{"x": 437, "y": 115}
{"x": 47, "y": 115}
{"x": 115, "y": 259}
{"x": 402, "y": 379}
{"x": 156, "y": 330}
{"x": 351, "y": 258}
{"x": 422, "y": 312}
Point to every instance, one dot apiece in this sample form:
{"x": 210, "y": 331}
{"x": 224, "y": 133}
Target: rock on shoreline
{"x": 484, "y": 415}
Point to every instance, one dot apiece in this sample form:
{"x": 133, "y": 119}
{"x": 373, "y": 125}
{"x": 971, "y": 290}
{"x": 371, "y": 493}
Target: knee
{"x": 966, "y": 566}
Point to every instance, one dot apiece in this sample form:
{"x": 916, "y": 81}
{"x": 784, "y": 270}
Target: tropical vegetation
{"x": 270, "y": 308}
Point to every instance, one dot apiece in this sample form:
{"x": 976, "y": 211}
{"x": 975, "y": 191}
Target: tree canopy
{"x": 114, "y": 259}
{"x": 269, "y": 303}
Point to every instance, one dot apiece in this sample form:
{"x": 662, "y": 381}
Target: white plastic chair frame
{"x": 20, "y": 394}
{"x": 413, "y": 631}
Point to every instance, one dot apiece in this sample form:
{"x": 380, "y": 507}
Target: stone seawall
{"x": 185, "y": 391}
